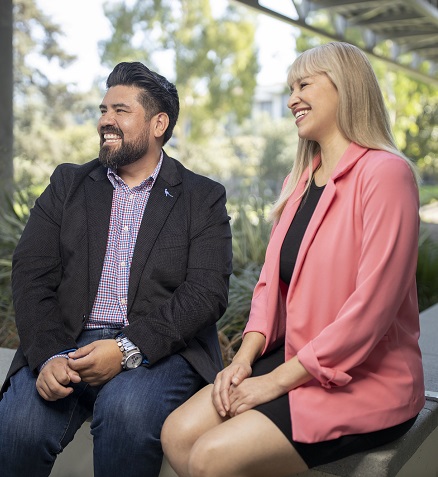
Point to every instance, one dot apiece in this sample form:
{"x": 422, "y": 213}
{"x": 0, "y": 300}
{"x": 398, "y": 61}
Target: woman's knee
{"x": 208, "y": 456}
{"x": 168, "y": 434}
{"x": 179, "y": 431}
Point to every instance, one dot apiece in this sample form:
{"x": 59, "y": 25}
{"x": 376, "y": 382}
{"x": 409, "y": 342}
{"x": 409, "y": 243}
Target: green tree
{"x": 43, "y": 109}
{"x": 422, "y": 138}
{"x": 213, "y": 57}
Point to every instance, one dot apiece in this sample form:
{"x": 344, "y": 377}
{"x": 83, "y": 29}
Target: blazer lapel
{"x": 350, "y": 157}
{"x": 99, "y": 196}
{"x": 163, "y": 197}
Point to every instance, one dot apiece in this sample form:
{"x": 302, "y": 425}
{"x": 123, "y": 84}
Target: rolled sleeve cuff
{"x": 328, "y": 377}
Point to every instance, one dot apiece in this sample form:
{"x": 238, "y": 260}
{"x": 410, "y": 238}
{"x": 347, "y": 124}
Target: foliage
{"x": 46, "y": 126}
{"x": 12, "y": 222}
{"x": 232, "y": 323}
{"x": 422, "y": 138}
{"x": 250, "y": 232}
{"x": 213, "y": 56}
{"x": 427, "y": 271}
{"x": 252, "y": 162}
{"x": 428, "y": 194}
{"x": 35, "y": 35}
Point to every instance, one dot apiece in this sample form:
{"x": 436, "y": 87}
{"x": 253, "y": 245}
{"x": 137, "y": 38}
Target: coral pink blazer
{"x": 350, "y": 312}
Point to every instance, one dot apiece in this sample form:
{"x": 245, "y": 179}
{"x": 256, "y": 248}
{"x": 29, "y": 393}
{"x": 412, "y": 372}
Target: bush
{"x": 232, "y": 323}
{"x": 427, "y": 271}
{"x": 13, "y": 219}
{"x": 250, "y": 232}
{"x": 428, "y": 194}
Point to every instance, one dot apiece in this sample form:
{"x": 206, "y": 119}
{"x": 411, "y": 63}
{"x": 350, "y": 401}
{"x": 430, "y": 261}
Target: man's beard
{"x": 126, "y": 153}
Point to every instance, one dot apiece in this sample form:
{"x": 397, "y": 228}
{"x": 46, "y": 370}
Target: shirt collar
{"x": 117, "y": 181}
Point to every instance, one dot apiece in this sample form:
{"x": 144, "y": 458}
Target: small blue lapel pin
{"x": 167, "y": 193}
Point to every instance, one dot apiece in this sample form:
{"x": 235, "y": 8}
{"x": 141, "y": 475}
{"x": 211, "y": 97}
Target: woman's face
{"x": 314, "y": 103}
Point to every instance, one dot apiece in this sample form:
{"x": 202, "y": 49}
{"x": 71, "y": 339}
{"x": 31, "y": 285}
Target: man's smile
{"x": 111, "y": 138}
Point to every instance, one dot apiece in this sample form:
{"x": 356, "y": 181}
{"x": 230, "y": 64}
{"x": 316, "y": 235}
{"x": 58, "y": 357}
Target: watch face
{"x": 134, "y": 360}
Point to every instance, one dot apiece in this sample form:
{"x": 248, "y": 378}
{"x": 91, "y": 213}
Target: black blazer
{"x": 179, "y": 277}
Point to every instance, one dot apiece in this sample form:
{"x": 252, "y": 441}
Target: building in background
{"x": 272, "y": 100}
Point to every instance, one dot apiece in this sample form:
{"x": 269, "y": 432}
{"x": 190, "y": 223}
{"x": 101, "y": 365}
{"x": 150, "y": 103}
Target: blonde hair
{"x": 361, "y": 116}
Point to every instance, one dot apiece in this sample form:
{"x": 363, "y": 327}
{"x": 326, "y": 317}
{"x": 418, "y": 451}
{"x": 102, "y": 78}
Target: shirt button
{"x": 123, "y": 301}
{"x": 131, "y": 196}
{"x": 125, "y": 228}
{"x": 123, "y": 264}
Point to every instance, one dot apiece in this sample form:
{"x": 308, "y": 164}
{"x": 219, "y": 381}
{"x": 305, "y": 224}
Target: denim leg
{"x": 34, "y": 431}
{"x": 129, "y": 413}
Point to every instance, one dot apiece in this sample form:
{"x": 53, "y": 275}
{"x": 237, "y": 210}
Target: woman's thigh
{"x": 192, "y": 419}
{"x": 246, "y": 445}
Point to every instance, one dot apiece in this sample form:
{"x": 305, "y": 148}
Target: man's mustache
{"x": 111, "y": 130}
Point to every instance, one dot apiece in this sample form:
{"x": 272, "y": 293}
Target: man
{"x": 118, "y": 280}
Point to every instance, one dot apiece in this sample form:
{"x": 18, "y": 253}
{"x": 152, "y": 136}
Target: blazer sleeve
{"x": 36, "y": 275}
{"x": 268, "y": 313}
{"x": 203, "y": 297}
{"x": 386, "y": 274}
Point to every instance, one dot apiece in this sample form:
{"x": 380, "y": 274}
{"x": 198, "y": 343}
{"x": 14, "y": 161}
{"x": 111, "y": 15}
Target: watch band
{"x": 125, "y": 344}
{"x": 129, "y": 349}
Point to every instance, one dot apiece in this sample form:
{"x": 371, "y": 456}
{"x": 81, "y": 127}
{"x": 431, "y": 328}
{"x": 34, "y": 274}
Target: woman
{"x": 329, "y": 364}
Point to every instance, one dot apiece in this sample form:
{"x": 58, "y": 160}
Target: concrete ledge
{"x": 414, "y": 455}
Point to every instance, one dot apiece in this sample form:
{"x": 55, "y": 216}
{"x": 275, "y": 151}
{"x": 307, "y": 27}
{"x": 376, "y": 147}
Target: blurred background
{"x": 229, "y": 63}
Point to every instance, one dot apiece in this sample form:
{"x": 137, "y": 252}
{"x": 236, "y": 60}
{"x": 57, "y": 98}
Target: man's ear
{"x": 160, "y": 123}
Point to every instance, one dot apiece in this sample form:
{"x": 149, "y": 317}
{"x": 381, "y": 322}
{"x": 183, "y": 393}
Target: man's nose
{"x": 106, "y": 119}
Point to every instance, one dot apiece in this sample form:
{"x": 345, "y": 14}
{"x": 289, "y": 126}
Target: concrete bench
{"x": 414, "y": 455}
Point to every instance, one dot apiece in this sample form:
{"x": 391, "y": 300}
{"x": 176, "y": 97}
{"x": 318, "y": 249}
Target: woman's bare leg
{"x": 185, "y": 425}
{"x": 199, "y": 443}
{"x": 248, "y": 445}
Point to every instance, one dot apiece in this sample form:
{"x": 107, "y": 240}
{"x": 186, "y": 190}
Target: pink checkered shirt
{"x": 110, "y": 306}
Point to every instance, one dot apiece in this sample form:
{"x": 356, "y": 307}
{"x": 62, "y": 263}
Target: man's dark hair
{"x": 158, "y": 94}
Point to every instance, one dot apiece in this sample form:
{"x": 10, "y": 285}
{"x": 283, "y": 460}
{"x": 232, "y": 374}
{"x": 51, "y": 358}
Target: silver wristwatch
{"x": 132, "y": 356}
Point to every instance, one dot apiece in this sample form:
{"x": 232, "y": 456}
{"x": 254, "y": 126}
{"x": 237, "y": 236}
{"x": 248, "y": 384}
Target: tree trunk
{"x": 6, "y": 101}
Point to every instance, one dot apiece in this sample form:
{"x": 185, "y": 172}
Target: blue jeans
{"x": 128, "y": 413}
